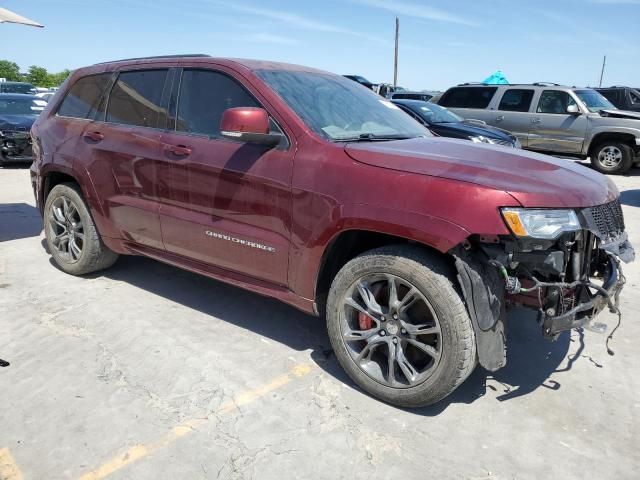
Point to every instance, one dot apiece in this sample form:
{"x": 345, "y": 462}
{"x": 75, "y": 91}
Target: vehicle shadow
{"x": 630, "y": 198}
{"x": 19, "y": 220}
{"x": 531, "y": 359}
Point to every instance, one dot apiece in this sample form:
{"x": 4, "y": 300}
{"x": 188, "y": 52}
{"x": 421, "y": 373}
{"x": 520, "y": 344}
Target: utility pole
{"x": 604, "y": 63}
{"x": 395, "y": 60}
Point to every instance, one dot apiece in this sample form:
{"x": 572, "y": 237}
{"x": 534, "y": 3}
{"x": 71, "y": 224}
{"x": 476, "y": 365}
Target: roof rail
{"x": 546, "y": 84}
{"x": 189, "y": 55}
{"x": 471, "y": 83}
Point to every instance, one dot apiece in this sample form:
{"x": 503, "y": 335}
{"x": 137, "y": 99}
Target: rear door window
{"x": 136, "y": 99}
{"x": 203, "y": 97}
{"x": 83, "y": 98}
{"x": 516, "y": 100}
{"x": 555, "y": 101}
{"x": 468, "y": 97}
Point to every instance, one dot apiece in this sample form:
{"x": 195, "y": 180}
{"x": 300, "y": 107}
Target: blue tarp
{"x": 497, "y": 78}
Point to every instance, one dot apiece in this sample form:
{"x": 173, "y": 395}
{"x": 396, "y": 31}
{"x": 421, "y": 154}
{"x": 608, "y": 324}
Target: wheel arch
{"x": 57, "y": 174}
{"x": 601, "y": 137}
{"x": 357, "y": 236}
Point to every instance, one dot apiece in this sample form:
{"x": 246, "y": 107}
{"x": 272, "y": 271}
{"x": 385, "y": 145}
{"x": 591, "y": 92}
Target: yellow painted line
{"x": 140, "y": 451}
{"x": 8, "y": 468}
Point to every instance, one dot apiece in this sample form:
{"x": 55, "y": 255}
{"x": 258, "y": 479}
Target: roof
{"x": 16, "y": 83}
{"x": 247, "y": 63}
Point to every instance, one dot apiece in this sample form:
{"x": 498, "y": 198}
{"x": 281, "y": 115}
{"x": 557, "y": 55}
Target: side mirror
{"x": 573, "y": 110}
{"x": 248, "y": 124}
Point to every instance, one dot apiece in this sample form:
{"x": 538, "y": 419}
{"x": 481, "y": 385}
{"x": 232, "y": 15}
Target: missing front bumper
{"x": 585, "y": 311}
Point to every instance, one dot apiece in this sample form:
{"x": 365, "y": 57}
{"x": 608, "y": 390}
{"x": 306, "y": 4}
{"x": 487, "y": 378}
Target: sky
{"x": 442, "y": 42}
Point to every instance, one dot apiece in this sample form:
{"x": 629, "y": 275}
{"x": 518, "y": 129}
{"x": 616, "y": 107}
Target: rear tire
{"x": 72, "y": 237}
{"x": 434, "y": 334}
{"x": 612, "y": 157}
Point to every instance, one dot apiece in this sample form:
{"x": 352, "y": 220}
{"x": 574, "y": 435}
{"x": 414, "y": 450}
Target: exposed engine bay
{"x": 569, "y": 280}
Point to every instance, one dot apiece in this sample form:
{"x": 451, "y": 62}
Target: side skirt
{"x": 248, "y": 283}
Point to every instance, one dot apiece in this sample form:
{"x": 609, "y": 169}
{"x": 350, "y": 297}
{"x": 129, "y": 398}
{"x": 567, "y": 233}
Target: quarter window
{"x": 468, "y": 97}
{"x": 555, "y": 101}
{"x": 516, "y": 100}
{"x": 204, "y": 96}
{"x": 136, "y": 99}
{"x": 84, "y": 96}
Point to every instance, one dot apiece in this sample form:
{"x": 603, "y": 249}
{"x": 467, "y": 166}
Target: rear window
{"x": 611, "y": 95}
{"x": 516, "y": 100}
{"x": 84, "y": 96}
{"x": 468, "y": 97}
{"x": 136, "y": 99}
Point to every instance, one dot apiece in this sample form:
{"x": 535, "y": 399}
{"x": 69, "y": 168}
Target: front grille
{"x": 605, "y": 221}
{"x": 506, "y": 143}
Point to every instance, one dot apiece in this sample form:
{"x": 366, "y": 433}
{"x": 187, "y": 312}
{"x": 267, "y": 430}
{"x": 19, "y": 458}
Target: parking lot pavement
{"x": 148, "y": 371}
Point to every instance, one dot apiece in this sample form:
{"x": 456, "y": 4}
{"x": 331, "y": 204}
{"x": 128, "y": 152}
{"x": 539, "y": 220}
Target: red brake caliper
{"x": 365, "y": 322}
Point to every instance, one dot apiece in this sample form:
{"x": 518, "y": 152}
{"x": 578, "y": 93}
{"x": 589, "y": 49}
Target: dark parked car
{"x": 17, "y": 87}
{"x": 17, "y": 114}
{"x": 406, "y": 95}
{"x": 624, "y": 98}
{"x": 445, "y": 123}
{"x": 301, "y": 185}
{"x": 361, "y": 81}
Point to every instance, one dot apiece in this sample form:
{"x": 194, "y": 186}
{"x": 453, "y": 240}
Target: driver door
{"x": 229, "y": 203}
{"x": 555, "y": 130}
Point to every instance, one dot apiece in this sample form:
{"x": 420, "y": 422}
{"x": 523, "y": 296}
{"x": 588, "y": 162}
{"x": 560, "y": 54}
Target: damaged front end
{"x": 564, "y": 263}
{"x": 15, "y": 146}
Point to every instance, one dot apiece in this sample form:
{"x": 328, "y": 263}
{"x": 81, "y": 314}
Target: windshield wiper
{"x": 370, "y": 137}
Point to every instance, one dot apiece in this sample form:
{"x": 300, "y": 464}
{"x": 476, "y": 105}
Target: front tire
{"x": 72, "y": 237}
{"x": 399, "y": 327}
{"x": 612, "y": 157}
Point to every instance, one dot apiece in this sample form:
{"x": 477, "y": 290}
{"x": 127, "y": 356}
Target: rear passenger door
{"x": 230, "y": 202}
{"x": 552, "y": 128}
{"x": 470, "y": 102}
{"x": 125, "y": 154}
{"x": 513, "y": 114}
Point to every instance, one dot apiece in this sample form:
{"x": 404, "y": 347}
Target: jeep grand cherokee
{"x": 302, "y": 185}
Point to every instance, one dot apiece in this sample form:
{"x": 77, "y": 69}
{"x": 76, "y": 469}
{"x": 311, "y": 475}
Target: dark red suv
{"x": 304, "y": 186}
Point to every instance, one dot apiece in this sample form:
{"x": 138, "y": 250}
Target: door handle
{"x": 178, "y": 150}
{"x": 499, "y": 118}
{"x": 94, "y": 136}
{"x": 535, "y": 120}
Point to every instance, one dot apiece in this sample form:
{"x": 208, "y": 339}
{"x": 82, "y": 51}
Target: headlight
{"x": 517, "y": 144}
{"x": 481, "y": 139}
{"x": 539, "y": 223}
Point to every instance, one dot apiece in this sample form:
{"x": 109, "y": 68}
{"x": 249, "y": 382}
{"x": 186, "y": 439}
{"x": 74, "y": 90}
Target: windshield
{"x": 432, "y": 113}
{"x": 21, "y": 106}
{"x": 361, "y": 79}
{"x": 594, "y": 101}
{"x": 339, "y": 109}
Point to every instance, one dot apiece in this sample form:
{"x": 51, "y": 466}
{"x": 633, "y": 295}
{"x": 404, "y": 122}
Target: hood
{"x": 467, "y": 129}
{"x": 17, "y": 122}
{"x": 534, "y": 180}
{"x": 620, "y": 114}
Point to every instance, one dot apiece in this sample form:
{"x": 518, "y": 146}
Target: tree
{"x": 38, "y": 76}
{"x": 55, "y": 79}
{"x": 9, "y": 70}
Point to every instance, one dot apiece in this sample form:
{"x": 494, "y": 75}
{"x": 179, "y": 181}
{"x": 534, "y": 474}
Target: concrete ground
{"x": 151, "y": 372}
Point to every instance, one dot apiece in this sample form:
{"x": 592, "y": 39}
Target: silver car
{"x": 550, "y": 118}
